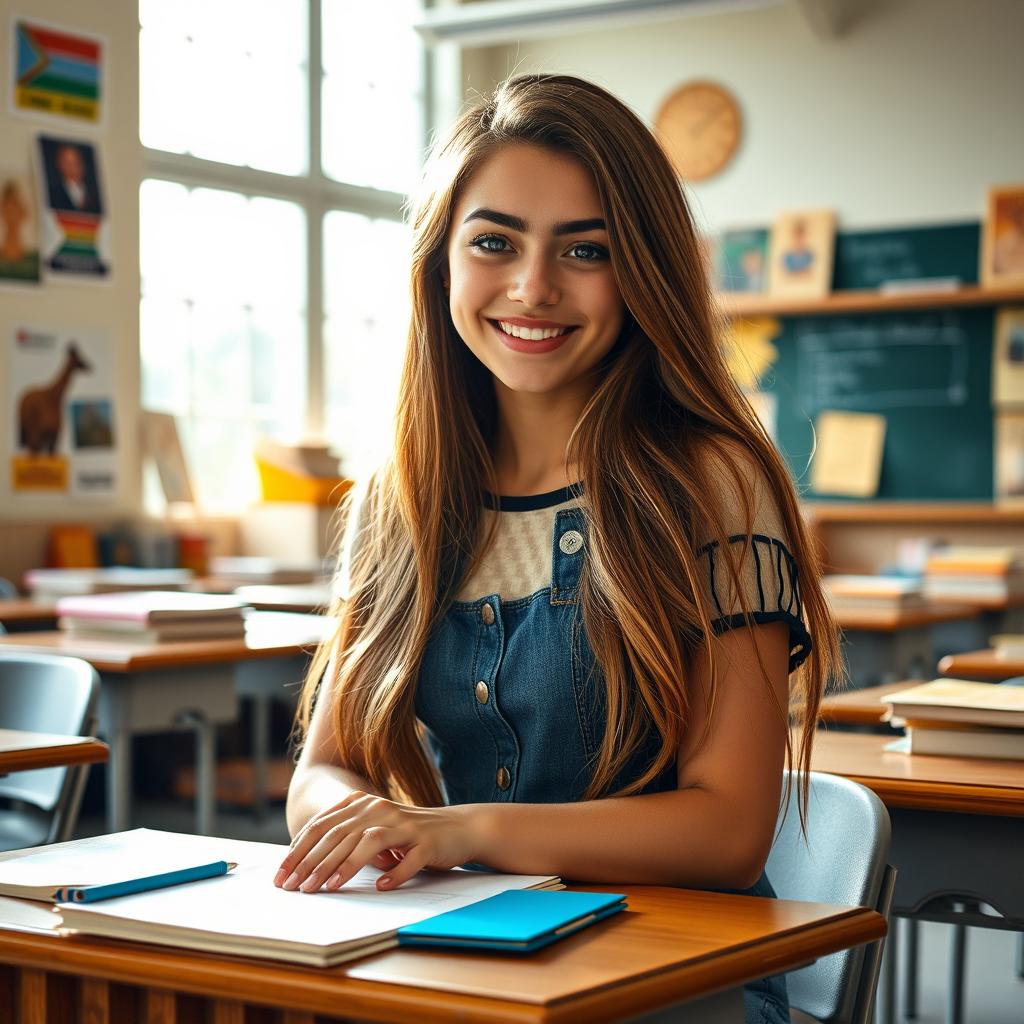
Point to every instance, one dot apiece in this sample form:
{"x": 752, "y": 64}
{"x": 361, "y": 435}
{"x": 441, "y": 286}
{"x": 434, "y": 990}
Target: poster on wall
{"x": 19, "y": 227}
{"x": 74, "y": 226}
{"x": 56, "y": 71}
{"x": 62, "y": 388}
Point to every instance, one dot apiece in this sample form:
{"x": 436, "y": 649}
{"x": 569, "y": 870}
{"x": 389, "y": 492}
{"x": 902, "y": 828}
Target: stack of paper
{"x": 242, "y": 912}
{"x": 962, "y": 719}
{"x": 884, "y": 594}
{"x": 152, "y": 616}
{"x": 980, "y": 574}
{"x": 51, "y": 584}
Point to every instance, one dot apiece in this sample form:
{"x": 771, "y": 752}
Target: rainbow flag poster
{"x": 56, "y": 71}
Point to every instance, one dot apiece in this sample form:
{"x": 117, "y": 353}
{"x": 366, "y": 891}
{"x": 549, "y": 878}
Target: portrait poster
{"x": 1002, "y": 240}
{"x": 741, "y": 261}
{"x": 75, "y": 230}
{"x": 56, "y": 71}
{"x": 62, "y": 400}
{"x": 19, "y": 227}
{"x": 1008, "y": 358}
{"x": 1010, "y": 457}
{"x": 802, "y": 253}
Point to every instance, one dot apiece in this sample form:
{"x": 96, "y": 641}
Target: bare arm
{"x": 715, "y": 831}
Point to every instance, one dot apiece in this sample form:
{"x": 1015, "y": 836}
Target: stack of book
{"x": 237, "y": 571}
{"x": 53, "y": 584}
{"x": 882, "y": 594}
{"x": 961, "y": 719}
{"x": 978, "y": 574}
{"x": 152, "y": 616}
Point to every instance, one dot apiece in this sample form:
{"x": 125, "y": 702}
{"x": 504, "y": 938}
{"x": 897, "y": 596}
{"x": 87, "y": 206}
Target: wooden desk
{"x": 22, "y": 612}
{"x": 891, "y": 646}
{"x": 671, "y": 946}
{"x": 860, "y": 707}
{"x": 957, "y": 835}
{"x": 21, "y": 750}
{"x": 150, "y": 688}
{"x": 981, "y": 665}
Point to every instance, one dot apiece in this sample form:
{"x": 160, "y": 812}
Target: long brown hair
{"x": 665, "y": 422}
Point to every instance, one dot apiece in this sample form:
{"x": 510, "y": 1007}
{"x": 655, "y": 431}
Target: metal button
{"x": 504, "y": 779}
{"x": 570, "y": 542}
{"x": 482, "y": 693}
{"x": 487, "y": 613}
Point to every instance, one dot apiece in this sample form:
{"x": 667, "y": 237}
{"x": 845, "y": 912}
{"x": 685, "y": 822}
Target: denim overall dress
{"x": 515, "y": 709}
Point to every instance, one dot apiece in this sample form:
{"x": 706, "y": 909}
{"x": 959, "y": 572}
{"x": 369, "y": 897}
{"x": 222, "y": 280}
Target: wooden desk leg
{"x": 160, "y": 1007}
{"x": 95, "y": 1001}
{"x": 228, "y": 1011}
{"x": 32, "y": 1001}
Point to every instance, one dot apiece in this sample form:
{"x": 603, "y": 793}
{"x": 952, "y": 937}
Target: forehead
{"x": 537, "y": 184}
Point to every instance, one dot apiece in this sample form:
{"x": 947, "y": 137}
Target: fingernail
{"x": 334, "y": 882}
{"x": 384, "y": 881}
{"x": 282, "y": 874}
{"x": 310, "y": 884}
{"x": 293, "y": 880}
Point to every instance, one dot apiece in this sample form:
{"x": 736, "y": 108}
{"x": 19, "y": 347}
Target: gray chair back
{"x": 7, "y": 589}
{"x": 843, "y": 860}
{"x": 46, "y": 693}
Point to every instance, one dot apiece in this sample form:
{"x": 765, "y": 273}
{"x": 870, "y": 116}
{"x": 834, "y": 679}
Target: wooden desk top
{"x": 20, "y": 750}
{"x": 960, "y": 784}
{"x": 268, "y": 635}
{"x": 890, "y": 622}
{"x": 21, "y": 609}
{"x": 981, "y": 665}
{"x": 860, "y": 707}
{"x": 670, "y": 945}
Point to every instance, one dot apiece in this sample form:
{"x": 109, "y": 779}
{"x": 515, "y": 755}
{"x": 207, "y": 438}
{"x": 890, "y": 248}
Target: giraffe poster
{"x": 65, "y": 429}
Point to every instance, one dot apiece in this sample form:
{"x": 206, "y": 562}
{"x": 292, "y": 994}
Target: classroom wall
{"x": 905, "y": 118}
{"x": 112, "y": 306}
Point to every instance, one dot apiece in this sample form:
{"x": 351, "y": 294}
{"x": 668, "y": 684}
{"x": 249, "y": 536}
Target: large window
{"x": 280, "y": 139}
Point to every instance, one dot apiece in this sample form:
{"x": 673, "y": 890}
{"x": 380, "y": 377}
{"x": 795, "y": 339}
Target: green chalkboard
{"x": 927, "y": 371}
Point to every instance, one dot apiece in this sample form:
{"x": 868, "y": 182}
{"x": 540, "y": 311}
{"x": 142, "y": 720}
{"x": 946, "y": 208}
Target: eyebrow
{"x": 507, "y": 220}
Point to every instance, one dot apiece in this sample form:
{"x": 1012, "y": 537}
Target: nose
{"x": 534, "y": 282}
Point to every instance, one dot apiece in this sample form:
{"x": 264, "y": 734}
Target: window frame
{"x": 315, "y": 192}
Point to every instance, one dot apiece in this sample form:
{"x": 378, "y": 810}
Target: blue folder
{"x": 518, "y": 920}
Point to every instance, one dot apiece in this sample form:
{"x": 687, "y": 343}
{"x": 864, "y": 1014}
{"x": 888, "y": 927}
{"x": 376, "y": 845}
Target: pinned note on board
{"x": 848, "y": 456}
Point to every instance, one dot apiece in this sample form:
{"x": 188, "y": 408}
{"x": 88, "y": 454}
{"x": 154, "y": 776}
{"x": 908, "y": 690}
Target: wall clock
{"x": 700, "y": 127}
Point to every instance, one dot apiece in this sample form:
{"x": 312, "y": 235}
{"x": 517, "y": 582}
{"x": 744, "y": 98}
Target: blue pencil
{"x": 94, "y": 893}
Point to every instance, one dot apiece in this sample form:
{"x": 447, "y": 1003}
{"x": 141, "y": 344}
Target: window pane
{"x": 366, "y": 293}
{"x": 226, "y": 81}
{"x": 223, "y": 324}
{"x": 372, "y": 107}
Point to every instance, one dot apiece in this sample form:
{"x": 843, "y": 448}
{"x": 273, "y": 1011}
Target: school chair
{"x": 8, "y": 591}
{"x": 44, "y": 693}
{"x": 842, "y": 860}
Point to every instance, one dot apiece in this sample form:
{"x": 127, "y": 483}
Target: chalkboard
{"x": 866, "y": 259}
{"x": 928, "y": 372}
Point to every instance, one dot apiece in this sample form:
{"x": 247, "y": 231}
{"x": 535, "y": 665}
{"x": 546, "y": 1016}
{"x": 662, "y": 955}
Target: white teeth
{"x": 532, "y": 333}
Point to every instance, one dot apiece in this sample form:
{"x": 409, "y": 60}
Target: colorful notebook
{"x": 516, "y": 921}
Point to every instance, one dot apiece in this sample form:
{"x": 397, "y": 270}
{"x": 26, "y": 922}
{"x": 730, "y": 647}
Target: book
{"x": 975, "y": 559}
{"x": 517, "y": 920}
{"x": 136, "y": 632}
{"x": 255, "y": 569}
{"x": 1004, "y": 744}
{"x": 45, "y": 873}
{"x": 873, "y": 593}
{"x": 243, "y": 913}
{"x": 957, "y": 700}
{"x": 52, "y": 584}
{"x": 1009, "y": 645}
{"x": 148, "y": 609}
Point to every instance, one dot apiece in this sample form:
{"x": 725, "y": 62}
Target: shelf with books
{"x": 866, "y": 300}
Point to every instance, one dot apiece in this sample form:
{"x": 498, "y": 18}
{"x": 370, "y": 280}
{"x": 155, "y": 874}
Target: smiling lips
{"x": 536, "y": 336}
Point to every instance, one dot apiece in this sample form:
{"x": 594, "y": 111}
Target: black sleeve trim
{"x": 787, "y": 608}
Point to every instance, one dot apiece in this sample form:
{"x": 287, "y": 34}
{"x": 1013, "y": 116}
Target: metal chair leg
{"x": 885, "y": 994}
{"x": 911, "y": 931}
{"x": 1020, "y": 955}
{"x": 957, "y": 958}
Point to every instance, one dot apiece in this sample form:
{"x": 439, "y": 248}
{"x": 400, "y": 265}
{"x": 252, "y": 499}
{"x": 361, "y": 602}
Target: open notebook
{"x": 243, "y": 913}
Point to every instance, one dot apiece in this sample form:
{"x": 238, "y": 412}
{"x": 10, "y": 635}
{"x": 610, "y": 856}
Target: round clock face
{"x": 699, "y": 126}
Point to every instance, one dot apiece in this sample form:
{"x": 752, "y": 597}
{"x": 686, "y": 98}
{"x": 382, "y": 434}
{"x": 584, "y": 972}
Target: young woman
{"x": 571, "y": 628}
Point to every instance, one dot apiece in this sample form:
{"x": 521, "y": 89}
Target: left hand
{"x": 362, "y": 829}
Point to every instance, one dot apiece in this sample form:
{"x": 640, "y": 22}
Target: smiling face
{"x": 531, "y": 286}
